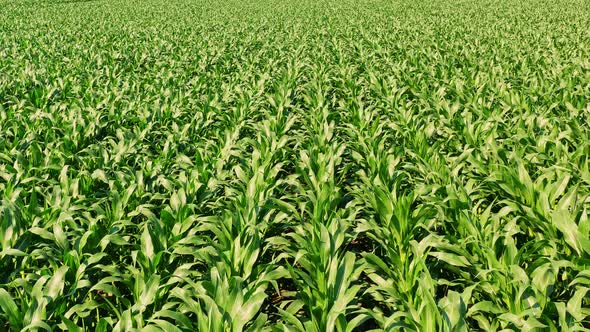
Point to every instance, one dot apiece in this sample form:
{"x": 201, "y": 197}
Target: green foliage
{"x": 275, "y": 165}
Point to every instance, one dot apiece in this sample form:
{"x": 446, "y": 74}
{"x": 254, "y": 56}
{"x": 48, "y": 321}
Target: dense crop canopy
{"x": 294, "y": 165}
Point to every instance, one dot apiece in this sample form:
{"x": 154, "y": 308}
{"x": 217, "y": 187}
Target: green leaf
{"x": 10, "y": 309}
{"x": 574, "y": 305}
{"x": 56, "y": 284}
{"x": 148, "y": 294}
{"x": 451, "y": 259}
{"x": 454, "y": 309}
{"x": 147, "y": 246}
{"x": 70, "y": 325}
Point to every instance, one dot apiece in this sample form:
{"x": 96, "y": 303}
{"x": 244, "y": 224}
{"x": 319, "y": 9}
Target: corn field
{"x": 280, "y": 165}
